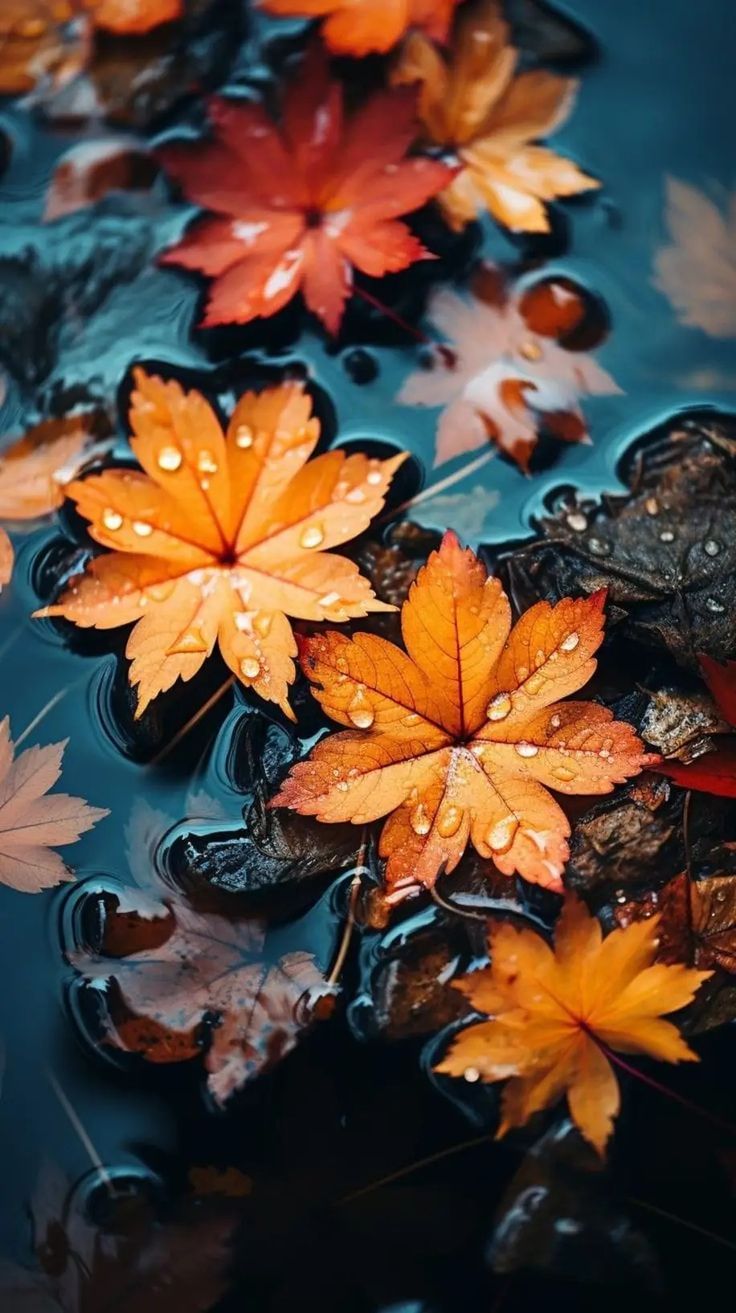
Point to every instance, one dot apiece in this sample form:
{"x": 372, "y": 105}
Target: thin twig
{"x": 695, "y": 1108}
{"x": 82, "y": 1133}
{"x": 52, "y": 702}
{"x": 193, "y": 720}
{"x": 415, "y": 1167}
{"x": 15, "y": 633}
{"x": 347, "y": 930}
{"x": 395, "y": 318}
{"x": 455, "y": 908}
{"x": 434, "y": 488}
{"x": 683, "y": 1221}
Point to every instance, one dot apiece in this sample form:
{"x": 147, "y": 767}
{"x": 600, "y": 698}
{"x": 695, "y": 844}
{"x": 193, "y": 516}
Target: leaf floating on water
{"x": 501, "y": 379}
{"x": 476, "y": 104}
{"x": 35, "y": 469}
{"x": 7, "y": 557}
{"x": 697, "y": 272}
{"x": 207, "y": 967}
{"x": 299, "y": 206}
{"x": 460, "y": 738}
{"x": 550, "y": 1012}
{"x": 359, "y": 27}
{"x": 697, "y": 921}
{"x": 223, "y": 537}
{"x": 34, "y": 822}
{"x": 36, "y": 43}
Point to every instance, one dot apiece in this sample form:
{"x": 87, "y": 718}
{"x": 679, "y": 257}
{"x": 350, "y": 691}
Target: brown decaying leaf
{"x": 222, "y": 536}
{"x": 459, "y": 738}
{"x": 697, "y": 920}
{"x": 697, "y": 272}
{"x": 200, "y": 965}
{"x": 552, "y": 1014}
{"x": 32, "y": 823}
{"x": 666, "y": 551}
{"x": 475, "y": 103}
{"x": 91, "y": 170}
{"x": 501, "y": 381}
{"x": 715, "y": 771}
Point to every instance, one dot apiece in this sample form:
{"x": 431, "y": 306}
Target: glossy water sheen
{"x": 658, "y": 100}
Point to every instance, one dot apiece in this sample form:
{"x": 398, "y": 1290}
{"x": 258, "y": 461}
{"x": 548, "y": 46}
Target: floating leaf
{"x": 36, "y": 43}
{"x": 553, "y": 1014}
{"x": 32, "y": 824}
{"x": 697, "y": 272}
{"x": 697, "y": 920}
{"x": 35, "y": 469}
{"x": 460, "y": 737}
{"x": 223, "y": 536}
{"x": 300, "y": 205}
{"x": 500, "y": 380}
{"x": 132, "y": 17}
{"x": 476, "y": 104}
{"x": 358, "y": 27}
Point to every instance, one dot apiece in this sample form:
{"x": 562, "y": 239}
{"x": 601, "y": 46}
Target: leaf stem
{"x": 193, "y": 720}
{"x": 416, "y": 1166}
{"x": 434, "y": 488}
{"x": 719, "y": 1122}
{"x": 395, "y": 318}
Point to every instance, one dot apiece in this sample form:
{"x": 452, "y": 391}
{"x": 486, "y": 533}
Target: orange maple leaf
{"x": 505, "y": 381}
{"x": 460, "y": 736}
{"x": 33, "y": 472}
{"x": 358, "y": 27}
{"x": 300, "y": 206}
{"x": 554, "y": 1016}
{"x": 31, "y": 822}
{"x": 223, "y": 536}
{"x": 132, "y": 17}
{"x": 174, "y": 966}
{"x": 475, "y": 105}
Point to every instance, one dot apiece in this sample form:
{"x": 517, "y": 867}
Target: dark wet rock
{"x": 558, "y": 1217}
{"x": 360, "y": 366}
{"x": 666, "y": 551}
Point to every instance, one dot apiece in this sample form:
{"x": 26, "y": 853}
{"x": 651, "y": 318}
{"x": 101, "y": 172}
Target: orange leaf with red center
{"x": 714, "y": 772}
{"x": 478, "y": 105}
{"x": 459, "y": 738}
{"x": 552, "y": 1011}
{"x": 359, "y": 27}
{"x": 33, "y": 821}
{"x": 222, "y": 536}
{"x": 299, "y": 205}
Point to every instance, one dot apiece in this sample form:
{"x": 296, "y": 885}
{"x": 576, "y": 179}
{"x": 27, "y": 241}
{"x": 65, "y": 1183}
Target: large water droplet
{"x": 250, "y": 667}
{"x": 501, "y": 836}
{"x": 169, "y": 459}
{"x": 112, "y": 520}
{"x": 244, "y": 437}
{"x": 499, "y": 707}
{"x": 448, "y": 822}
{"x": 711, "y": 547}
{"x": 564, "y": 773}
{"x": 419, "y": 819}
{"x": 262, "y": 622}
{"x": 525, "y": 749}
{"x": 191, "y": 640}
{"x": 360, "y": 710}
{"x": 570, "y": 643}
{"x": 312, "y": 536}
{"x": 329, "y": 599}
{"x": 142, "y": 528}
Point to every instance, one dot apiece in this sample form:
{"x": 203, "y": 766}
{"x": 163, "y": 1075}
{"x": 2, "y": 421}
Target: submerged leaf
{"x": 34, "y": 822}
{"x": 223, "y": 537}
{"x": 553, "y": 1014}
{"x": 476, "y": 104}
{"x": 301, "y": 205}
{"x": 500, "y": 379}
{"x": 697, "y": 272}
{"x": 461, "y": 737}
{"x": 359, "y": 27}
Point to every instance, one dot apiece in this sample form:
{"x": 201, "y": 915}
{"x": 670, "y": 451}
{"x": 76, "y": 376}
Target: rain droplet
{"x": 449, "y": 821}
{"x": 471, "y": 1075}
{"x": 412, "y": 718}
{"x": 206, "y": 463}
{"x": 651, "y": 506}
{"x": 555, "y": 721}
{"x": 250, "y": 667}
{"x": 564, "y": 773}
{"x": 192, "y": 640}
{"x": 530, "y": 350}
{"x": 419, "y": 820}
{"x": 244, "y": 436}
{"x": 329, "y": 599}
{"x": 374, "y": 477}
{"x": 499, "y": 707}
{"x": 262, "y": 623}
{"x": 533, "y": 684}
{"x": 160, "y": 592}
{"x": 142, "y": 528}
{"x": 620, "y": 895}
{"x": 714, "y": 606}
{"x": 312, "y": 536}
{"x": 577, "y": 521}
{"x": 360, "y": 710}
{"x": 570, "y": 643}
{"x": 501, "y": 835}
{"x": 598, "y": 547}
{"x": 169, "y": 459}
{"x": 356, "y": 496}
{"x": 525, "y": 749}
{"x": 666, "y": 536}
{"x": 112, "y": 520}
{"x": 711, "y": 547}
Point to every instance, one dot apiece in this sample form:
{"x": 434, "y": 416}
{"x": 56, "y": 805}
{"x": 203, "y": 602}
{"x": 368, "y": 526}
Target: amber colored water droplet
{"x": 250, "y": 667}
{"x": 142, "y": 528}
{"x": 360, "y": 710}
{"x": 262, "y": 623}
{"x": 169, "y": 459}
{"x": 160, "y": 592}
{"x": 112, "y": 520}
{"x": 570, "y": 643}
{"x": 206, "y": 463}
{"x": 525, "y": 749}
{"x": 534, "y": 684}
{"x": 501, "y": 836}
{"x": 449, "y": 821}
{"x": 244, "y": 437}
{"x": 374, "y": 477}
{"x": 419, "y": 819}
{"x": 564, "y": 773}
{"x": 312, "y": 536}
{"x": 499, "y": 707}
{"x": 190, "y": 641}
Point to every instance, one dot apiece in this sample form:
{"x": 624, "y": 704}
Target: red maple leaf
{"x": 299, "y": 205}
{"x": 715, "y": 772}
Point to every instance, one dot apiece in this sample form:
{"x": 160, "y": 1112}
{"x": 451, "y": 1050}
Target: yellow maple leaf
{"x": 553, "y": 1015}
{"x": 475, "y": 104}
{"x": 222, "y": 536}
